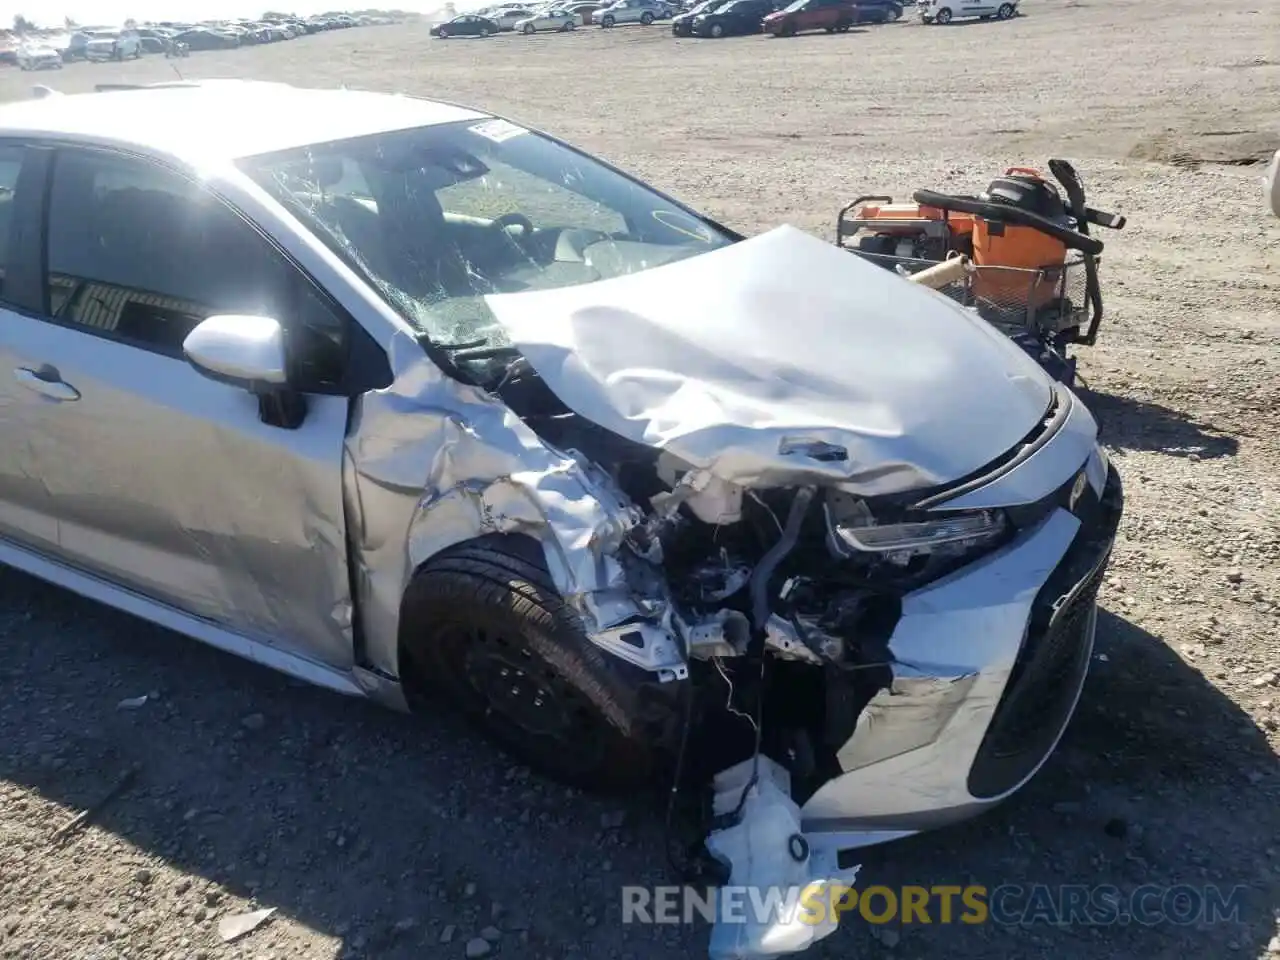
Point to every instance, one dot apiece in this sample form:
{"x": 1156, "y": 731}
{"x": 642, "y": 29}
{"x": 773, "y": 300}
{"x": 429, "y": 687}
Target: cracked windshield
{"x": 438, "y": 217}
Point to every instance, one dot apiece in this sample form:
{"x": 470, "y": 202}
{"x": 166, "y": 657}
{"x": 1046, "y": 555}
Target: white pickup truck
{"x": 1271, "y": 184}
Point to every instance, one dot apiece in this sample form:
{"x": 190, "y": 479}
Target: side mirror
{"x": 248, "y": 352}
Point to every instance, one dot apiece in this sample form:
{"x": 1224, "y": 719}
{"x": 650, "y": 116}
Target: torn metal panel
{"x": 433, "y": 462}
{"x": 782, "y": 358}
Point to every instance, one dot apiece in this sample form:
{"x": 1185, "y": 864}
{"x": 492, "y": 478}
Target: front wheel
{"x": 646, "y": 18}
{"x": 843, "y": 26}
{"x": 443, "y": 34}
{"x": 717, "y": 31}
{"x": 1005, "y": 12}
{"x": 489, "y": 630}
{"x": 608, "y": 22}
{"x": 943, "y": 16}
{"x": 484, "y": 31}
{"x": 530, "y": 29}
{"x": 568, "y": 26}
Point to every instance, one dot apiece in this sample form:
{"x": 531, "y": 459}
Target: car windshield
{"x": 798, "y": 5}
{"x": 437, "y": 217}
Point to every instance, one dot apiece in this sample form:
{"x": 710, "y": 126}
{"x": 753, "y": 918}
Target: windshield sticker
{"x": 499, "y": 131}
{"x": 683, "y": 223}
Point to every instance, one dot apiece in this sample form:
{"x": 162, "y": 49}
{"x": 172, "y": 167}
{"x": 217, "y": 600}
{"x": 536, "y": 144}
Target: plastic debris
{"x": 767, "y": 852}
{"x": 236, "y": 925}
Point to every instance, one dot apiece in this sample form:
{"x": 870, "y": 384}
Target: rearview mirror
{"x": 243, "y": 351}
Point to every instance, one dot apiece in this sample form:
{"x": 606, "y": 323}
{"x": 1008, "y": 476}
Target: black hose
{"x": 760, "y": 614}
{"x": 776, "y": 554}
{"x": 1005, "y": 213}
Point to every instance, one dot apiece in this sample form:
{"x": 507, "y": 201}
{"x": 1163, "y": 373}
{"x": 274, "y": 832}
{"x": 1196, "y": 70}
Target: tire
{"x": 646, "y": 18}
{"x": 1005, "y": 12}
{"x": 443, "y": 34}
{"x": 530, "y": 29}
{"x": 895, "y": 13}
{"x": 787, "y": 30}
{"x": 489, "y": 629}
{"x": 484, "y": 32}
{"x": 843, "y": 27}
{"x": 717, "y": 31}
{"x": 943, "y": 16}
{"x": 608, "y": 22}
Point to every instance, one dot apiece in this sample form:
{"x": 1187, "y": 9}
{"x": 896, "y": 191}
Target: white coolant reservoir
{"x": 785, "y": 895}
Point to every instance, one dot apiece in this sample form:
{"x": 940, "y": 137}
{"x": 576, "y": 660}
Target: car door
{"x": 829, "y": 13}
{"x": 470, "y": 27}
{"x": 26, "y": 517}
{"x": 159, "y": 479}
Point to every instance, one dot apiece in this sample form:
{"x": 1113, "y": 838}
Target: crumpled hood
{"x": 760, "y": 361}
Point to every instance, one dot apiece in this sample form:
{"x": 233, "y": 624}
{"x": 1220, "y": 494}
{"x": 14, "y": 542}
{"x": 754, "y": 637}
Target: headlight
{"x": 924, "y": 534}
{"x": 853, "y": 531}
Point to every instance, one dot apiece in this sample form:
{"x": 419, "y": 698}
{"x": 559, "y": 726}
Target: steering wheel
{"x": 504, "y": 223}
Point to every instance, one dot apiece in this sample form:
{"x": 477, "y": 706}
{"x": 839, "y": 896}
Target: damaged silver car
{"x": 409, "y": 400}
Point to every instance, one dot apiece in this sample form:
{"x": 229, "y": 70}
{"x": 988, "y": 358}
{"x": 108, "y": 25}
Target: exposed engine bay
{"x": 784, "y": 599}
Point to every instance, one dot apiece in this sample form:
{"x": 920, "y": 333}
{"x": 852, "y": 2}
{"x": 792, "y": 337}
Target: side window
{"x": 139, "y": 253}
{"x": 10, "y": 165}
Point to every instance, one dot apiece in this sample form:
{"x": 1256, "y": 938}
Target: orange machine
{"x": 1025, "y": 240}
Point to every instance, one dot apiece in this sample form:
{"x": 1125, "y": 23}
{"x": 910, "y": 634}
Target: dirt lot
{"x": 380, "y": 836}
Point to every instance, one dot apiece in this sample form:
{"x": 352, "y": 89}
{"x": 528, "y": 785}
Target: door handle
{"x": 47, "y": 382}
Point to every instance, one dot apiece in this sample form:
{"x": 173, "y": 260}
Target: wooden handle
{"x": 939, "y": 275}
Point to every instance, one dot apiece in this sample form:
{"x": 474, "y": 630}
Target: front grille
{"x": 1051, "y": 666}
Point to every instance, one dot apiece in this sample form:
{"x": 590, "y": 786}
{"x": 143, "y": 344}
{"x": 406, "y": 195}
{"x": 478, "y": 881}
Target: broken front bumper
{"x": 988, "y": 665}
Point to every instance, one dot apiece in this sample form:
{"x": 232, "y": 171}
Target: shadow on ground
{"x": 1141, "y": 425}
{"x": 382, "y": 830}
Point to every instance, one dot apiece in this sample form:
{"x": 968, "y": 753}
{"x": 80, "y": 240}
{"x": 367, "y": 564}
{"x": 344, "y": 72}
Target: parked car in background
{"x": 466, "y": 25}
{"x": 944, "y": 11}
{"x": 830, "y": 15}
{"x": 508, "y": 17}
{"x": 114, "y": 45}
{"x": 585, "y": 12}
{"x": 205, "y": 38}
{"x": 631, "y": 11}
{"x": 155, "y": 43}
{"x": 559, "y": 21}
{"x": 39, "y": 56}
{"x": 682, "y": 24}
{"x": 834, "y": 16}
{"x": 878, "y": 11}
{"x": 736, "y": 18}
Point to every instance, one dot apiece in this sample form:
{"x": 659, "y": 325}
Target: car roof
{"x": 220, "y": 120}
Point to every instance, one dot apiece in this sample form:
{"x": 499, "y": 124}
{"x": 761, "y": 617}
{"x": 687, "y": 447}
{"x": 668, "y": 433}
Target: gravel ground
{"x": 375, "y": 835}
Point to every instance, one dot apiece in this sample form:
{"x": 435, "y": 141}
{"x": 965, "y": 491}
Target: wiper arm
{"x": 467, "y": 345}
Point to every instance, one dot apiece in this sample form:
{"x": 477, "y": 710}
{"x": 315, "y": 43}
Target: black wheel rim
{"x": 523, "y": 698}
